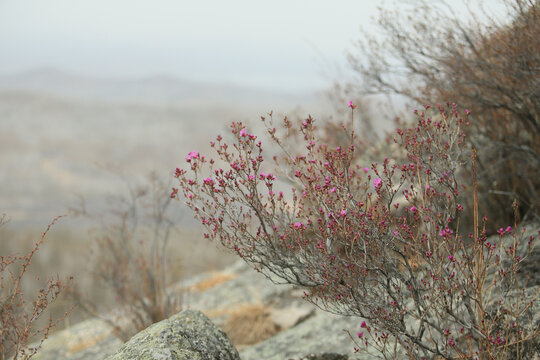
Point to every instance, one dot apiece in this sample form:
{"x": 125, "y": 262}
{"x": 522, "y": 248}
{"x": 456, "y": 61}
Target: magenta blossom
{"x": 377, "y": 183}
{"x": 192, "y": 155}
{"x": 208, "y": 181}
{"x": 351, "y": 105}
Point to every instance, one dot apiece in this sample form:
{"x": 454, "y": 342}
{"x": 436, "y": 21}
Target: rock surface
{"x": 326, "y": 356}
{"x": 219, "y": 295}
{"x": 88, "y": 340}
{"x": 185, "y": 336}
{"x": 322, "y": 336}
{"x": 242, "y": 287}
{"x": 263, "y": 320}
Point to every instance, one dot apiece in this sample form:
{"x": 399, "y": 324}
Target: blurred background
{"x": 100, "y": 99}
{"x": 135, "y": 85}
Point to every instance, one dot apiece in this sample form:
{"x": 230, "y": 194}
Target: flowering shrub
{"x": 17, "y": 315}
{"x": 381, "y": 242}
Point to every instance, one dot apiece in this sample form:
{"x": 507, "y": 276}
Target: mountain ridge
{"x": 159, "y": 89}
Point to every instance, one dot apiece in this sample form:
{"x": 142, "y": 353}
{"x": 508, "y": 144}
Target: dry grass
{"x": 250, "y": 324}
{"x": 215, "y": 280}
{"x": 84, "y": 343}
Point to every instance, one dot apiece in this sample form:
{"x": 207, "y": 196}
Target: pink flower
{"x": 251, "y": 177}
{"x": 192, "y": 155}
{"x": 351, "y": 105}
{"x": 298, "y": 225}
{"x": 243, "y": 132}
{"x": 366, "y": 169}
{"x": 363, "y": 325}
{"x": 508, "y": 229}
{"x": 413, "y": 208}
{"x": 208, "y": 181}
{"x": 377, "y": 183}
{"x": 360, "y": 334}
{"x": 343, "y": 212}
{"x": 446, "y": 232}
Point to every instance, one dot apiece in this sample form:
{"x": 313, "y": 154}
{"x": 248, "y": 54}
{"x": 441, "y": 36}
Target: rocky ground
{"x": 261, "y": 319}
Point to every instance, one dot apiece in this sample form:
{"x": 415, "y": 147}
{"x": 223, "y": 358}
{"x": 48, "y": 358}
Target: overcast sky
{"x": 288, "y": 45}
{"x": 280, "y": 44}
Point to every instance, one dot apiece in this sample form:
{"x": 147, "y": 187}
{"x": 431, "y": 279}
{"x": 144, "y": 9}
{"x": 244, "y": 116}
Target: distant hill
{"x": 66, "y": 130}
{"x": 164, "y": 90}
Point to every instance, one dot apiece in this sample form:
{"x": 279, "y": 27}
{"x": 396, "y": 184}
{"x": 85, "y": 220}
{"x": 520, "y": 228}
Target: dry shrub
{"x": 19, "y": 311}
{"x": 430, "y": 53}
{"x": 131, "y": 260}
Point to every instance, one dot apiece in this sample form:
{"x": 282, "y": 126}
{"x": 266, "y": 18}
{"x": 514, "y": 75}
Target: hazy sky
{"x": 280, "y": 44}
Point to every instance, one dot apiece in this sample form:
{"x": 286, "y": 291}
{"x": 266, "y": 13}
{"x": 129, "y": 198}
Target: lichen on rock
{"x": 186, "y": 335}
